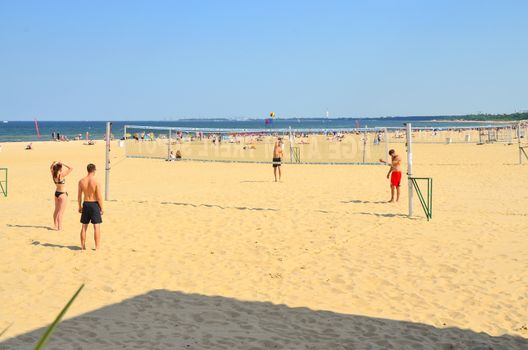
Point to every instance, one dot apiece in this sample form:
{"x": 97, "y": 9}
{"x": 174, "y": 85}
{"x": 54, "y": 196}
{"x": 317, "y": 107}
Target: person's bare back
{"x": 89, "y": 188}
{"x": 91, "y": 206}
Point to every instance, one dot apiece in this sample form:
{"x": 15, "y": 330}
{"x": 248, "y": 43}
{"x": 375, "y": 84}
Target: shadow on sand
{"x": 358, "y": 201}
{"x": 164, "y": 319}
{"x": 218, "y": 206}
{"x": 51, "y": 245}
{"x": 32, "y": 226}
{"x": 388, "y": 215}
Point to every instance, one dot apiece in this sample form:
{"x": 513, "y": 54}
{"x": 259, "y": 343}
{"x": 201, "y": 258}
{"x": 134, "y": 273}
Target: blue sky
{"x": 153, "y": 60}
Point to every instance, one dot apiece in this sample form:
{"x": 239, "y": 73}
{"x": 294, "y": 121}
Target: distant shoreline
{"x": 25, "y": 131}
{"x": 472, "y": 121}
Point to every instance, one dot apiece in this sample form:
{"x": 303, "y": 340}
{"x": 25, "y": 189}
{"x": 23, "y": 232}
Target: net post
{"x": 386, "y": 145}
{"x": 125, "y": 138}
{"x": 430, "y": 188}
{"x": 170, "y": 142}
{"x": 519, "y": 142}
{"x": 107, "y": 165}
{"x": 291, "y": 145}
{"x": 364, "y": 144}
{"x": 409, "y": 167}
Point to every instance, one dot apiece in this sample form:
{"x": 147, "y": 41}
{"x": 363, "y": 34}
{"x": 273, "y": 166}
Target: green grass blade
{"x": 44, "y": 339}
{"x": 5, "y": 330}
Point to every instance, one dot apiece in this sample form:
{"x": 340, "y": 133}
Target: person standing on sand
{"x": 395, "y": 175}
{"x": 277, "y": 159}
{"x": 61, "y": 196}
{"x": 92, "y": 208}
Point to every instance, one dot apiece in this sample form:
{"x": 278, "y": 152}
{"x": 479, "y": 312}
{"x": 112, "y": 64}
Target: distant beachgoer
{"x": 61, "y": 196}
{"x": 394, "y": 174}
{"x": 29, "y": 146}
{"x": 178, "y": 154}
{"x": 277, "y": 159}
{"x": 91, "y": 208}
{"x": 173, "y": 156}
{"x": 378, "y": 138}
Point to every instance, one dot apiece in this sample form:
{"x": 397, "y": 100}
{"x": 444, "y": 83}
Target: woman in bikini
{"x": 61, "y": 196}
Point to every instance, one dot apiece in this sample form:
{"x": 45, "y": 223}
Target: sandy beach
{"x": 218, "y": 256}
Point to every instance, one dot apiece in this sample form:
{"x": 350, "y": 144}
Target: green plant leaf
{"x": 5, "y": 330}
{"x": 44, "y": 339}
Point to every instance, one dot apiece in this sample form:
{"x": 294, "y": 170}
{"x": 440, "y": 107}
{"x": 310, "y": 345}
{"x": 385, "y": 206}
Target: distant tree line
{"x": 491, "y": 117}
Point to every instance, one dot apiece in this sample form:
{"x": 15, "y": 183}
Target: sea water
{"x": 25, "y": 130}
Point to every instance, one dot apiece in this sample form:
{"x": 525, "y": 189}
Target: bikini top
{"x": 60, "y": 182}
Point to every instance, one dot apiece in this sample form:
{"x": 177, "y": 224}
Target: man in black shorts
{"x": 92, "y": 208}
{"x": 277, "y": 159}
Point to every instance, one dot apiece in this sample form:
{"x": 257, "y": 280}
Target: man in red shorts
{"x": 394, "y": 174}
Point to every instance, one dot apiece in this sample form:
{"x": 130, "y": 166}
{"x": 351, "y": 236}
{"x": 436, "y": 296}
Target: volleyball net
{"x": 470, "y": 135}
{"x": 522, "y": 141}
{"x": 299, "y": 146}
{"x": 522, "y": 132}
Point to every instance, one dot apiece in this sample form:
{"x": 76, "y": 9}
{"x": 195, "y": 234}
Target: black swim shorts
{"x": 91, "y": 212}
{"x": 276, "y": 162}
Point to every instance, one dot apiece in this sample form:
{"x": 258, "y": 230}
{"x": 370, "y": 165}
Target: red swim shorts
{"x": 396, "y": 178}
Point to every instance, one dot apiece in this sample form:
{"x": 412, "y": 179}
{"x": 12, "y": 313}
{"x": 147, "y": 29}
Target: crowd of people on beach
{"x": 90, "y": 200}
{"x": 57, "y": 136}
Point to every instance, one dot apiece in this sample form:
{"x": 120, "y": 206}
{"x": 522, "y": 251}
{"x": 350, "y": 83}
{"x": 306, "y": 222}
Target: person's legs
{"x": 55, "y": 212}
{"x": 275, "y": 173}
{"x": 397, "y": 193}
{"x": 62, "y": 200}
{"x": 97, "y": 236}
{"x": 280, "y": 173}
{"x": 84, "y": 227}
{"x": 392, "y": 193}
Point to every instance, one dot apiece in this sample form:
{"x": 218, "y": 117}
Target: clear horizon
{"x": 168, "y": 60}
{"x": 227, "y": 118}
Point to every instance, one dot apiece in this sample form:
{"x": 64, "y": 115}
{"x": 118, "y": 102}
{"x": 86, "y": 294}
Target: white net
{"x": 469, "y": 135}
{"x": 499, "y": 134}
{"x": 343, "y": 146}
{"x": 521, "y": 133}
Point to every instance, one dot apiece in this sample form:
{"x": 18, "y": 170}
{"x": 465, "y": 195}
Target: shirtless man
{"x": 92, "y": 207}
{"x": 394, "y": 174}
{"x": 277, "y": 158}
